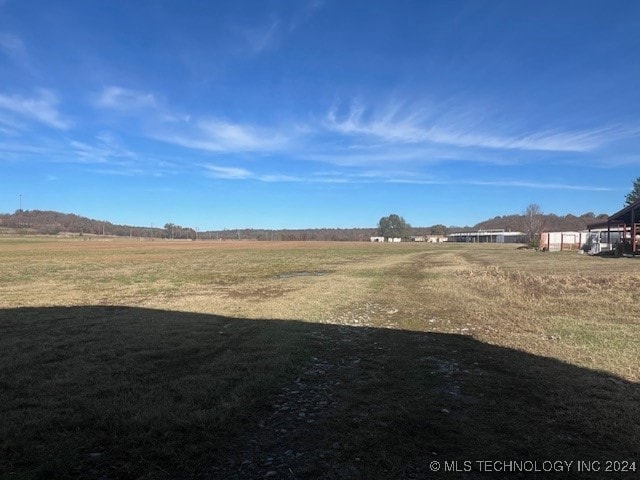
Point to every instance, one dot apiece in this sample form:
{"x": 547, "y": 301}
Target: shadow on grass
{"x": 116, "y": 392}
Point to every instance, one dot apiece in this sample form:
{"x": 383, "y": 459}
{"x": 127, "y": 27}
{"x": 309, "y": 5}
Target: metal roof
{"x": 628, "y": 215}
{"x": 486, "y": 233}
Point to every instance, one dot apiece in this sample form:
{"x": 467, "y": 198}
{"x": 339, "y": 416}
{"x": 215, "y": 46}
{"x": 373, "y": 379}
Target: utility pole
{"x": 20, "y": 196}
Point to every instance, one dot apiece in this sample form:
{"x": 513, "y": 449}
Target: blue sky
{"x": 310, "y": 113}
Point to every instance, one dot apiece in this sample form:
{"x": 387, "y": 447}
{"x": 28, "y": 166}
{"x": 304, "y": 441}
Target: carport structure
{"x": 626, "y": 221}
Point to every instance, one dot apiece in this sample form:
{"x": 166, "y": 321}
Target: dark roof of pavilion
{"x": 623, "y": 216}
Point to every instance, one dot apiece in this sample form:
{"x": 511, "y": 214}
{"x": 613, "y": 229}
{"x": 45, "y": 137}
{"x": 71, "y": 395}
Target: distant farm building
{"x": 620, "y": 232}
{"x": 429, "y": 238}
{"x": 590, "y": 241}
{"x": 383, "y": 239}
{"x": 488, "y": 236}
{"x": 560, "y": 241}
{"x": 436, "y": 238}
{"x": 377, "y": 239}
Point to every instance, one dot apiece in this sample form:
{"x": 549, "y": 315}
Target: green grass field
{"x": 172, "y": 360}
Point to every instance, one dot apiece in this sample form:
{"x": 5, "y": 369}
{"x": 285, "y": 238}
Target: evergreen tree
{"x": 634, "y": 194}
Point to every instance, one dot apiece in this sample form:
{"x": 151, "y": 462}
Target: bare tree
{"x": 533, "y": 223}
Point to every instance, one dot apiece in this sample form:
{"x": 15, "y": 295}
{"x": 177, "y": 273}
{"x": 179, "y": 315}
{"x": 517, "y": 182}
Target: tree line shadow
{"x": 121, "y": 392}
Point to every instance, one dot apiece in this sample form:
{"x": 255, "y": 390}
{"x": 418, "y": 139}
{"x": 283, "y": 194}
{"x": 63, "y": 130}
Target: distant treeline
{"x": 54, "y": 223}
{"x": 550, "y": 222}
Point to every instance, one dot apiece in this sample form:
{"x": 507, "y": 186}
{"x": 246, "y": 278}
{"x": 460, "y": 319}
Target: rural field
{"x": 212, "y": 360}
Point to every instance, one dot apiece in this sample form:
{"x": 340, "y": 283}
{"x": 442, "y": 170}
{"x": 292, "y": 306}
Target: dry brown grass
{"x": 578, "y": 309}
{"x": 572, "y": 307}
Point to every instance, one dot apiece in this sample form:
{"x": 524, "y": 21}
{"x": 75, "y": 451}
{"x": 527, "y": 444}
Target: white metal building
{"x": 487, "y": 236}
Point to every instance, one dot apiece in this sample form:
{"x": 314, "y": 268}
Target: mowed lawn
{"x": 168, "y": 359}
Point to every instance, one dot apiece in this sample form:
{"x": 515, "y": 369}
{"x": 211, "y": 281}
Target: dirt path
{"x": 291, "y": 441}
{"x": 342, "y": 415}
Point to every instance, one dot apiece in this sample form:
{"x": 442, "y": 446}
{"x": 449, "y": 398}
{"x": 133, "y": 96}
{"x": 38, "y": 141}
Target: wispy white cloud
{"x": 324, "y": 177}
{"x": 416, "y": 178}
{"x": 238, "y": 173}
{"x": 399, "y": 132}
{"x": 107, "y": 155}
{"x": 279, "y": 177}
{"x": 218, "y": 136}
{"x": 620, "y": 160}
{"x": 547, "y": 140}
{"x": 105, "y": 149}
{"x": 388, "y": 155}
{"x": 228, "y": 173}
{"x": 394, "y": 124}
{"x": 18, "y": 150}
{"x": 42, "y": 108}
{"x": 400, "y": 124}
{"x": 10, "y": 126}
{"x": 364, "y": 176}
{"x": 156, "y": 120}
{"x": 537, "y": 185}
{"x": 120, "y": 98}
{"x": 239, "y": 137}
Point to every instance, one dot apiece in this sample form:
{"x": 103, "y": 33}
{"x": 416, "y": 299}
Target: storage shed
{"x": 559, "y": 241}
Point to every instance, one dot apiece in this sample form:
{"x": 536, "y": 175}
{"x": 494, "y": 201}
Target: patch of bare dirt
{"x": 258, "y": 293}
{"x": 297, "y": 438}
{"x": 291, "y": 441}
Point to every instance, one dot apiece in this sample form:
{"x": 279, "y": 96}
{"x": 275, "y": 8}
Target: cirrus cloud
{"x": 120, "y": 98}
{"x": 220, "y": 136}
{"x": 395, "y": 123}
{"x": 42, "y": 108}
